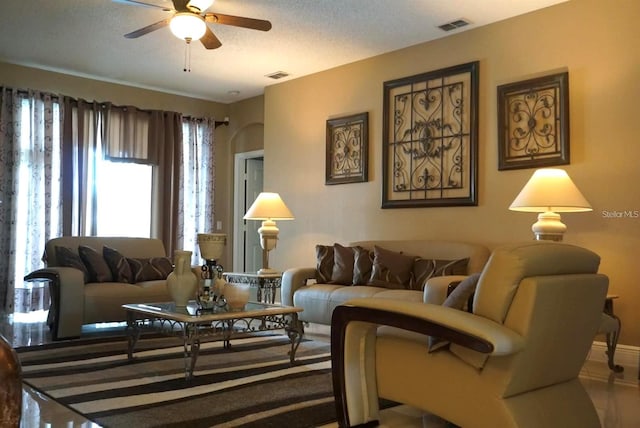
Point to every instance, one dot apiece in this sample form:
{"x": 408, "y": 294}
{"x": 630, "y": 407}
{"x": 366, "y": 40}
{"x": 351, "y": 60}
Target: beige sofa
{"x": 75, "y": 302}
{"x": 300, "y": 287}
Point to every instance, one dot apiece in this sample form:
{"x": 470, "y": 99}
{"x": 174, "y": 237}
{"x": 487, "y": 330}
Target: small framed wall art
{"x": 347, "y": 149}
{"x": 430, "y": 139}
{"x": 533, "y": 122}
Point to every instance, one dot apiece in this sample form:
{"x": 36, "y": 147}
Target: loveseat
{"x": 92, "y": 289}
{"x": 417, "y": 270}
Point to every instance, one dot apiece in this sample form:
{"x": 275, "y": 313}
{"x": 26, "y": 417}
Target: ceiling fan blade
{"x": 238, "y": 21}
{"x": 149, "y": 28}
{"x": 209, "y": 40}
{"x": 141, "y": 3}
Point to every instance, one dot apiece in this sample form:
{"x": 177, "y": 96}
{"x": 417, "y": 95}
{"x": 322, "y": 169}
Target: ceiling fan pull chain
{"x": 187, "y": 56}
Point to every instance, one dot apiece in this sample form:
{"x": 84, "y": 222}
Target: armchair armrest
{"x": 456, "y": 326}
{"x": 293, "y": 279}
{"x": 66, "y": 312}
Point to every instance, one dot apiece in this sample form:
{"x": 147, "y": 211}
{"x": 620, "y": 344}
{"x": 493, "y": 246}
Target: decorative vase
{"x": 236, "y": 295}
{"x": 11, "y": 389}
{"x": 182, "y": 283}
{"x": 211, "y": 245}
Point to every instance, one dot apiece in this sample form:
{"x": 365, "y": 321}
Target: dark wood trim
{"x": 53, "y": 277}
{"x": 343, "y": 315}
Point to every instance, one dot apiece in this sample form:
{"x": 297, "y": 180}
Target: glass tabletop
{"x": 192, "y": 313}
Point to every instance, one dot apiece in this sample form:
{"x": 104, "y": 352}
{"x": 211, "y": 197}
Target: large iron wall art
{"x": 430, "y": 139}
{"x": 533, "y": 122}
{"x": 347, "y": 149}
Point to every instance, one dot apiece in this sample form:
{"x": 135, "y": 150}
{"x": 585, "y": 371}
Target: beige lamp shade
{"x": 550, "y": 191}
{"x": 268, "y": 207}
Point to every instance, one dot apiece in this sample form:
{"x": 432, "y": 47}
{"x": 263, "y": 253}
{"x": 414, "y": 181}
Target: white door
{"x": 248, "y": 183}
{"x": 254, "y": 184}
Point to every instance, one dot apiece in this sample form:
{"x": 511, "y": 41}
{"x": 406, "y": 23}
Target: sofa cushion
{"x": 457, "y": 300}
{"x": 324, "y": 263}
{"x": 151, "y": 269}
{"x": 120, "y": 267}
{"x": 97, "y": 266}
{"x": 391, "y": 269}
{"x": 424, "y": 269}
{"x": 362, "y": 265}
{"x": 343, "y": 260}
{"x": 67, "y": 258}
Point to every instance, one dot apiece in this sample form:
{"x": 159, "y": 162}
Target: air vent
{"x": 454, "y": 24}
{"x": 277, "y": 75}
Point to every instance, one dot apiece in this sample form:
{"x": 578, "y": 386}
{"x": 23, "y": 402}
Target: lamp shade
{"x": 188, "y": 26}
{"x": 550, "y": 189}
{"x": 268, "y": 206}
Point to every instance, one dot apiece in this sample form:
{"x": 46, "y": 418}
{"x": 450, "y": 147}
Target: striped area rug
{"x": 250, "y": 385}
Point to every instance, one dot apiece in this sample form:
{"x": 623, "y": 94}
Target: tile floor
{"x": 616, "y": 396}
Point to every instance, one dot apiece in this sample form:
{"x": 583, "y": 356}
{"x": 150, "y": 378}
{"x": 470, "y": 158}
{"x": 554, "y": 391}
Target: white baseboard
{"x": 626, "y": 355}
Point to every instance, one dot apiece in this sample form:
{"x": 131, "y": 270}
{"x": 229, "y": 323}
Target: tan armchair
{"x": 512, "y": 362}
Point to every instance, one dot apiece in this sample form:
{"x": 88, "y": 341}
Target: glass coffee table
{"x": 191, "y": 325}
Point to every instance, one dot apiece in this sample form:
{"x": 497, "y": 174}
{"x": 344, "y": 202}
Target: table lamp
{"x": 550, "y": 191}
{"x": 268, "y": 207}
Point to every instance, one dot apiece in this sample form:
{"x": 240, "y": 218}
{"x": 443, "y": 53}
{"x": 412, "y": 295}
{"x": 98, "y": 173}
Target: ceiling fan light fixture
{"x": 201, "y": 5}
{"x": 188, "y": 26}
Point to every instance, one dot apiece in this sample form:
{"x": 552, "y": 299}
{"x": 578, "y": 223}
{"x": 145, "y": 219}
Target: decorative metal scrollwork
{"x": 533, "y": 123}
{"x": 347, "y": 154}
{"x": 431, "y": 144}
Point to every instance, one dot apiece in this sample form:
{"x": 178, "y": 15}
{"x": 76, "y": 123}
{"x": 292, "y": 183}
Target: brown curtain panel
{"x": 83, "y": 128}
{"x": 127, "y": 131}
{"x": 165, "y": 140}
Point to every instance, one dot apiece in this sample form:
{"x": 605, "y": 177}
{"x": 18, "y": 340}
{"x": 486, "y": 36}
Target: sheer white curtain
{"x": 198, "y": 183}
{"x": 30, "y": 179}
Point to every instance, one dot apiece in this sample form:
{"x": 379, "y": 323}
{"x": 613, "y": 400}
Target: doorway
{"x": 248, "y": 183}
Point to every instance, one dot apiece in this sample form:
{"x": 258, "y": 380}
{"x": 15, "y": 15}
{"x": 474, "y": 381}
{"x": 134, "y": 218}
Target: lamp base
{"x": 267, "y": 271}
{"x": 549, "y": 227}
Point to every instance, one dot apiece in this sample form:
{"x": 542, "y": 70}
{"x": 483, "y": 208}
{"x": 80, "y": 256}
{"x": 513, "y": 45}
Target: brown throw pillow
{"x": 120, "y": 268}
{"x": 67, "y": 258}
{"x": 343, "y": 259}
{"x": 152, "y": 269}
{"x": 458, "y": 300}
{"x": 391, "y": 269}
{"x": 362, "y": 265}
{"x": 96, "y": 265}
{"x": 324, "y": 263}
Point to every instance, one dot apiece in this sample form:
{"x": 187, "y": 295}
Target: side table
{"x": 267, "y": 284}
{"x": 611, "y": 326}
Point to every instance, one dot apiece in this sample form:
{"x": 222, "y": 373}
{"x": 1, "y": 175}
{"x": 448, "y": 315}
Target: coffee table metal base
{"x": 191, "y": 331}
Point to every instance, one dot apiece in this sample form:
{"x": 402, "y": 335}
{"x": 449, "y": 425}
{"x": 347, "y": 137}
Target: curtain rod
{"x": 217, "y": 123}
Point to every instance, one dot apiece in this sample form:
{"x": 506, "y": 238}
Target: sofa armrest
{"x": 66, "y": 312}
{"x": 293, "y": 279}
{"x": 435, "y": 289}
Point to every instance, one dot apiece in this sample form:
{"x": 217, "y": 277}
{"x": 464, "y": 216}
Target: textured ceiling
{"x": 85, "y": 38}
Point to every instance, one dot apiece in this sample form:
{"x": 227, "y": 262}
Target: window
{"x": 123, "y": 190}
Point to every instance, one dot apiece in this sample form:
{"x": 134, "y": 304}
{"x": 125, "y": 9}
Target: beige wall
{"x": 592, "y": 39}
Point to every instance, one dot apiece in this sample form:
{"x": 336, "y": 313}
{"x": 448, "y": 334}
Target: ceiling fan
{"x": 189, "y": 21}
